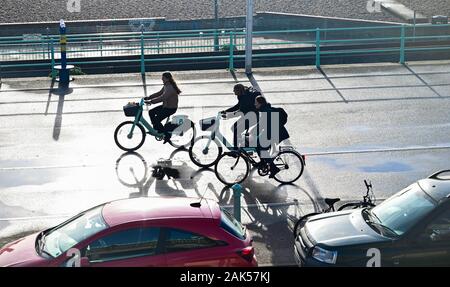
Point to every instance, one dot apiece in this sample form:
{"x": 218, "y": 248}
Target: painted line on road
{"x": 379, "y": 150}
{"x": 306, "y": 154}
{"x": 50, "y": 167}
{"x": 36, "y": 217}
{"x": 242, "y": 80}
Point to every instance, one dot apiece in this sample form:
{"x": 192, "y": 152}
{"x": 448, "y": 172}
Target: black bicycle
{"x": 368, "y": 201}
{"x": 234, "y": 166}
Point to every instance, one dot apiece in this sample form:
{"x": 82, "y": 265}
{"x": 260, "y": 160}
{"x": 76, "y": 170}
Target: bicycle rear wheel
{"x": 232, "y": 168}
{"x": 129, "y": 141}
{"x": 131, "y": 169}
{"x": 291, "y": 166}
{"x": 184, "y": 135}
{"x": 204, "y": 156}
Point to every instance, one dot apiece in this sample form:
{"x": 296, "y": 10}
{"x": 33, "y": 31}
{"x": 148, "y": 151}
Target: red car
{"x": 144, "y": 232}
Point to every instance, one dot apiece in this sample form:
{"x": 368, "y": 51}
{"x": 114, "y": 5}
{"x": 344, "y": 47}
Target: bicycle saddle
{"x": 331, "y": 201}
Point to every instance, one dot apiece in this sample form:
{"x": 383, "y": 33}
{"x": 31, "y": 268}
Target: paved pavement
{"x": 385, "y": 122}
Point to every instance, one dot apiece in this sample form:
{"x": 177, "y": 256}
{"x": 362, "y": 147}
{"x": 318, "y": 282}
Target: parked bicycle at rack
{"x": 130, "y": 135}
{"x": 367, "y": 202}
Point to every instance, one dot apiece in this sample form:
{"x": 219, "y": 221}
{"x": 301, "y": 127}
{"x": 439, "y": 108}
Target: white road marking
{"x": 400, "y": 149}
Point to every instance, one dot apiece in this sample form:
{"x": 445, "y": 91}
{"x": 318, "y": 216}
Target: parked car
{"x": 142, "y": 232}
{"x": 411, "y": 228}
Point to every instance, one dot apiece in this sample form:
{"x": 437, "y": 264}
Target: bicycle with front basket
{"x": 234, "y": 166}
{"x": 130, "y": 135}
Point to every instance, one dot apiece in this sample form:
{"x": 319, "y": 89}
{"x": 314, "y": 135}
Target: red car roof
{"x": 147, "y": 208}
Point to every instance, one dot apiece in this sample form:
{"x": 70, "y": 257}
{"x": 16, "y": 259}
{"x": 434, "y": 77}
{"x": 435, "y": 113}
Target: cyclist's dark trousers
{"x": 158, "y": 114}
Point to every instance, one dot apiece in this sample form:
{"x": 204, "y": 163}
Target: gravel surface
{"x": 428, "y": 7}
{"x": 13, "y": 11}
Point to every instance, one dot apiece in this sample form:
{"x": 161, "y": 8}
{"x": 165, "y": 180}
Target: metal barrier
{"x": 106, "y": 48}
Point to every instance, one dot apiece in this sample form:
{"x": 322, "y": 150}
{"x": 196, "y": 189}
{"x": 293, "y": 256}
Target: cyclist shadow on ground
{"x": 272, "y": 212}
{"x": 268, "y": 209}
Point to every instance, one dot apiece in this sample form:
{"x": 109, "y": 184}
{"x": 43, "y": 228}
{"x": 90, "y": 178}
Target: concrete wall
{"x": 263, "y": 21}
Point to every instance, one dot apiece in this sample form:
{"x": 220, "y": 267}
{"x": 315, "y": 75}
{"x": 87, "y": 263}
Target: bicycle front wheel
{"x": 204, "y": 155}
{"x": 232, "y": 168}
{"x": 184, "y": 135}
{"x": 127, "y": 140}
{"x": 291, "y": 167}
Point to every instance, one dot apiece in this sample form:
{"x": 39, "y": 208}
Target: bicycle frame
{"x": 140, "y": 119}
{"x": 215, "y": 132}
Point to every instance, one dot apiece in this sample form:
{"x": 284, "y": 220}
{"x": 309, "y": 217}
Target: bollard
{"x": 63, "y": 73}
{"x": 64, "y": 69}
{"x": 237, "y": 193}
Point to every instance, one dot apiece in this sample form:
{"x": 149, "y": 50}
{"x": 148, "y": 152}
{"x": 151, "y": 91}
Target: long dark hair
{"x": 169, "y": 76}
{"x": 261, "y": 100}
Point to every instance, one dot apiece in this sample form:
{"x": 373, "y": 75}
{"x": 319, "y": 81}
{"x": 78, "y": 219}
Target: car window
{"x": 439, "y": 228}
{"x": 125, "y": 244}
{"x": 179, "y": 240}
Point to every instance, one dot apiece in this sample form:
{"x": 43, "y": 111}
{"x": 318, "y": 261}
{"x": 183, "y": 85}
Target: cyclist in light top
{"x": 168, "y": 95}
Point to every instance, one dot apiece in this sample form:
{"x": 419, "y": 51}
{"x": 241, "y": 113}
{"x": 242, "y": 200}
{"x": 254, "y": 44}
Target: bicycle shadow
{"x": 273, "y": 210}
{"x": 167, "y": 177}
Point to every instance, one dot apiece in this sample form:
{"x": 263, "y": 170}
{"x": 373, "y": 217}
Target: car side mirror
{"x": 84, "y": 262}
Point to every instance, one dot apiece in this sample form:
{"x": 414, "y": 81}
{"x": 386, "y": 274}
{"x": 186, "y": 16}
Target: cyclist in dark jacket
{"x": 246, "y": 104}
{"x": 265, "y": 131}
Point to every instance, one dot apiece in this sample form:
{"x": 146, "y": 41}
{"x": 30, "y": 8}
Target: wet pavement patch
{"x": 390, "y": 166}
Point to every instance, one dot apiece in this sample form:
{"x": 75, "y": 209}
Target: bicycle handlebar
{"x": 368, "y": 185}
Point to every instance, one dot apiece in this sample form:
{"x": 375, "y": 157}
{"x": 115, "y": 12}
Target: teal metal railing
{"x": 110, "y": 48}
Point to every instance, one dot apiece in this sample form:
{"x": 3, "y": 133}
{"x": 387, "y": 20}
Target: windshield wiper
{"x": 372, "y": 215}
{"x": 41, "y": 244}
{"x": 386, "y": 228}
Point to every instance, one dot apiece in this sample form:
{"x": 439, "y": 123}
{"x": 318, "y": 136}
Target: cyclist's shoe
{"x": 166, "y": 139}
{"x": 273, "y": 171}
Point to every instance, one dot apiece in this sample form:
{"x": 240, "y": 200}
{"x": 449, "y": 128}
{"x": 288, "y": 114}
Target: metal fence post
{"x": 48, "y": 43}
{"x": 101, "y": 46}
{"x": 317, "y": 48}
{"x": 157, "y": 42}
{"x": 231, "y": 46}
{"x": 142, "y": 51}
{"x": 237, "y": 193}
{"x": 43, "y": 47}
{"x": 402, "y": 45}
{"x": 52, "y": 50}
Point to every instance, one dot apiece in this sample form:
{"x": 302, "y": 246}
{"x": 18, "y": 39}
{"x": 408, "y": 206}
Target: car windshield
{"x": 73, "y": 231}
{"x": 403, "y": 210}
